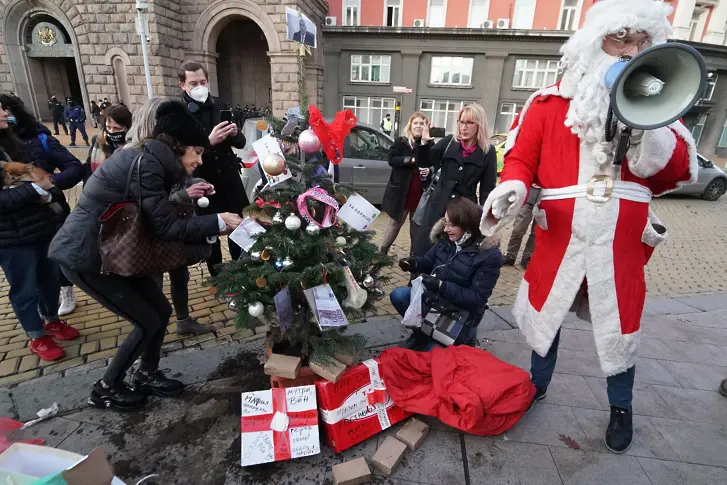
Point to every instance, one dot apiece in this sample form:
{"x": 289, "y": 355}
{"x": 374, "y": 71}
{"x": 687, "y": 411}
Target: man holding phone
{"x": 220, "y": 166}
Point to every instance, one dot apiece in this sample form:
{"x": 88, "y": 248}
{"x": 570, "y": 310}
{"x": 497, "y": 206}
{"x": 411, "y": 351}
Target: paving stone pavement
{"x": 691, "y": 262}
{"x": 680, "y": 419}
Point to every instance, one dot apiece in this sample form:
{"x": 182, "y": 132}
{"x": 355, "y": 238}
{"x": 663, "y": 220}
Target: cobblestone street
{"x": 692, "y": 261}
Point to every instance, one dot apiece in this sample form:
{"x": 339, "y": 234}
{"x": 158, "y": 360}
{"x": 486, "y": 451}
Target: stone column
{"x": 314, "y": 82}
{"x": 494, "y": 70}
{"x": 683, "y": 19}
{"x": 409, "y": 79}
{"x": 716, "y": 27}
{"x": 209, "y": 61}
{"x": 332, "y": 100}
{"x": 284, "y": 72}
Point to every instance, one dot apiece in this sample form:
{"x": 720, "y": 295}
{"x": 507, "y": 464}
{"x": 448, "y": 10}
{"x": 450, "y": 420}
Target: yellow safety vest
{"x": 387, "y": 125}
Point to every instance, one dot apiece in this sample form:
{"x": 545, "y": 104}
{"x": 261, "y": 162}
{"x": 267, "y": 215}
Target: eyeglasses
{"x": 626, "y": 44}
{"x": 467, "y": 123}
{"x": 448, "y": 224}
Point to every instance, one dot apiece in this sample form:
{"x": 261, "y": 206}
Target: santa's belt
{"x": 601, "y": 188}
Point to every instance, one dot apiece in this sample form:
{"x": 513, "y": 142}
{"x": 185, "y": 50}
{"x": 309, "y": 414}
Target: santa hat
{"x": 174, "y": 120}
{"x": 608, "y": 17}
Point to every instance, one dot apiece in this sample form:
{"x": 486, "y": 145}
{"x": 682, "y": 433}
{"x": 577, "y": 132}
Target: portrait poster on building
{"x": 301, "y": 28}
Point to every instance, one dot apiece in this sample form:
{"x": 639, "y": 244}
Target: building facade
{"x": 91, "y": 49}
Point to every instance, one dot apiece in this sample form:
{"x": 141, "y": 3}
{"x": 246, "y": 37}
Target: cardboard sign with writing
{"x": 244, "y": 235}
{"x": 358, "y": 213}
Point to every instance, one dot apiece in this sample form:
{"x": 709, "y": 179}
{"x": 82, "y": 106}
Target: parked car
{"x": 711, "y": 183}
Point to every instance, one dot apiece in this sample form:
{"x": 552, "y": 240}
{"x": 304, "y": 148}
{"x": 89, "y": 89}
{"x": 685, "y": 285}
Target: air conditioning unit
{"x": 419, "y": 23}
{"x": 503, "y": 23}
{"x": 489, "y": 24}
{"x": 331, "y": 21}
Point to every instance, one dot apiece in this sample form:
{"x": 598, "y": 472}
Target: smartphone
{"x": 436, "y": 132}
{"x": 226, "y": 115}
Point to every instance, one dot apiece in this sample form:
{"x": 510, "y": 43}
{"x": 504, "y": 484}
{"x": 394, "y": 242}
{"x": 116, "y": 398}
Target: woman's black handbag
{"x": 418, "y": 217}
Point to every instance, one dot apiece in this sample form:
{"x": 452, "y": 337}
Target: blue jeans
{"x": 620, "y": 387}
{"x": 34, "y": 285}
{"x": 400, "y": 299}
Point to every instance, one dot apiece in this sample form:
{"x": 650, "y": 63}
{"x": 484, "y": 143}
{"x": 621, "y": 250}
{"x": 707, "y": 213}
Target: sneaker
{"x": 46, "y": 348}
{"x": 190, "y": 325}
{"x": 68, "y": 301}
{"x": 508, "y": 260}
{"x": 540, "y": 394}
{"x": 157, "y": 384}
{"x": 120, "y": 397}
{"x": 61, "y": 330}
{"x": 723, "y": 388}
{"x": 620, "y": 430}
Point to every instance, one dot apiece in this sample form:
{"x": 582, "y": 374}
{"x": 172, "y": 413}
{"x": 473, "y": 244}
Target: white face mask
{"x": 199, "y": 94}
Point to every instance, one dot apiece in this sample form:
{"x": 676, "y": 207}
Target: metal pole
{"x": 142, "y": 30}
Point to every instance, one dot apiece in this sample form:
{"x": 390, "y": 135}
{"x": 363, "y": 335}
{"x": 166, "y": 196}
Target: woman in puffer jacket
{"x": 460, "y": 270}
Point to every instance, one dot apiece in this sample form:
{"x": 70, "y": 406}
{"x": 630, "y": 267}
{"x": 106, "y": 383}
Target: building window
{"x": 569, "y": 18}
{"x": 534, "y": 73}
{"x": 698, "y": 129}
{"x": 443, "y": 114}
{"x": 722, "y": 143}
{"x": 524, "y": 14}
{"x": 479, "y": 9}
{"x": 437, "y": 13}
{"x": 711, "y": 83}
{"x": 370, "y": 68}
{"x": 352, "y": 12}
{"x": 506, "y": 117}
{"x": 451, "y": 71}
{"x": 392, "y": 13}
{"x": 370, "y": 110}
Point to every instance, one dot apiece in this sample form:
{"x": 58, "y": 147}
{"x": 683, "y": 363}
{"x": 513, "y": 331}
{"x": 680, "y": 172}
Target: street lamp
{"x": 141, "y": 8}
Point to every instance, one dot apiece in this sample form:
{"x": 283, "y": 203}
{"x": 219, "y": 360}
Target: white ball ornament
{"x": 292, "y": 222}
{"x": 203, "y": 202}
{"x": 340, "y": 241}
{"x": 255, "y": 309}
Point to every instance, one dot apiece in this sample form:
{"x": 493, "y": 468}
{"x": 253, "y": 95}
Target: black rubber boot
{"x": 156, "y": 383}
{"x": 620, "y": 430}
{"x": 508, "y": 260}
{"x": 119, "y": 397}
{"x": 539, "y": 396}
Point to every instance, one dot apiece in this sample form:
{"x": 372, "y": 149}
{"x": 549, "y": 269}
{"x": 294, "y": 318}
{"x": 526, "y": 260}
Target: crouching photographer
{"x": 458, "y": 275}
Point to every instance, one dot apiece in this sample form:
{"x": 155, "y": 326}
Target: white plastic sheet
{"x": 413, "y": 315}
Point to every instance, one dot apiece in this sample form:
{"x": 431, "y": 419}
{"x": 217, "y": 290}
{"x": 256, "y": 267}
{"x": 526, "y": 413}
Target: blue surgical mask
{"x": 12, "y": 120}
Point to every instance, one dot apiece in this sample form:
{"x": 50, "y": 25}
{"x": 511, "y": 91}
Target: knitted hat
{"x": 174, "y": 120}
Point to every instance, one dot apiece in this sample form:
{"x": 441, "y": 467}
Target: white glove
{"x": 503, "y": 203}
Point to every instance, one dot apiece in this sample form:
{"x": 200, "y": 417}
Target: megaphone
{"x": 658, "y": 86}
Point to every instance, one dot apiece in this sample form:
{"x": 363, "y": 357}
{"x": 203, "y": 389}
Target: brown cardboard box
{"x": 331, "y": 371}
{"x": 282, "y": 366}
{"x": 354, "y": 472}
{"x": 388, "y": 456}
{"x": 413, "y": 433}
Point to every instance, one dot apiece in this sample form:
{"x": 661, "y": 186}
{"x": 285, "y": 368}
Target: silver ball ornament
{"x": 278, "y": 218}
{"x": 203, "y": 202}
{"x": 340, "y": 241}
{"x": 292, "y": 222}
{"x": 368, "y": 281}
{"x": 255, "y": 255}
{"x": 279, "y": 264}
{"x": 255, "y": 309}
{"x": 232, "y": 305}
{"x": 312, "y": 229}
{"x": 287, "y": 263}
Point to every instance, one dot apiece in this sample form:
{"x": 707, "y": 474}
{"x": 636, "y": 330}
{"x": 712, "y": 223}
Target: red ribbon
{"x": 262, "y": 203}
{"x": 376, "y": 396}
{"x": 281, "y": 439}
{"x": 332, "y": 135}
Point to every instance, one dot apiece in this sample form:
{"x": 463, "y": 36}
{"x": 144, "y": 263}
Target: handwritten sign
{"x": 358, "y": 213}
{"x": 279, "y": 424}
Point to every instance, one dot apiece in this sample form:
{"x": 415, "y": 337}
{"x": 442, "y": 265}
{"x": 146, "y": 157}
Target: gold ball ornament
{"x": 261, "y": 282}
{"x": 261, "y": 125}
{"x": 274, "y": 164}
{"x": 265, "y": 254}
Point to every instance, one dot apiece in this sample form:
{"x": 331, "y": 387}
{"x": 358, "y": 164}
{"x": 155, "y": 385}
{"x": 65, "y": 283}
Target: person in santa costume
{"x": 595, "y": 231}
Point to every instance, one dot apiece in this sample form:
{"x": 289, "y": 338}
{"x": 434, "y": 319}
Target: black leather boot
{"x": 119, "y": 397}
{"x": 156, "y": 383}
{"x": 620, "y": 430}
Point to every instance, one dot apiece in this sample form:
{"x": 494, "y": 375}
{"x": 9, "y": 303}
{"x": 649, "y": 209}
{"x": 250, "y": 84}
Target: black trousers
{"x": 178, "y": 287}
{"x": 59, "y": 121}
{"x": 139, "y": 301}
{"x": 216, "y": 256}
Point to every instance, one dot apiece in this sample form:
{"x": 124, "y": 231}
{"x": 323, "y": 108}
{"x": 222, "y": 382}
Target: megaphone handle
{"x": 623, "y": 146}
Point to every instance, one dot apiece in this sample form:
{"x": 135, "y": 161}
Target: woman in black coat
{"x": 406, "y": 183}
{"x": 464, "y": 162}
{"x": 461, "y": 269}
{"x": 173, "y": 152}
{"x": 30, "y": 214}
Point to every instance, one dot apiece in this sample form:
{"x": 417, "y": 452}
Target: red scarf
{"x": 467, "y": 151}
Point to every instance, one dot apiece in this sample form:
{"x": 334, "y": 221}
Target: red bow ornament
{"x": 332, "y": 136}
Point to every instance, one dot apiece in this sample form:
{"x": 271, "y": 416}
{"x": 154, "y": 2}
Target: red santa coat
{"x": 606, "y": 244}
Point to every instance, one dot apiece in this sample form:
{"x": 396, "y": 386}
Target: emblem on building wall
{"x": 47, "y": 36}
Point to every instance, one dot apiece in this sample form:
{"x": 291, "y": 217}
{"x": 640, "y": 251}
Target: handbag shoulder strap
{"x": 135, "y": 164}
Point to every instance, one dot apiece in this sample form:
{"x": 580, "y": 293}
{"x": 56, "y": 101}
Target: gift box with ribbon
{"x": 356, "y": 407}
{"x": 279, "y": 424}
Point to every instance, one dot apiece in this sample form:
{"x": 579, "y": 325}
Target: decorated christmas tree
{"x": 280, "y": 280}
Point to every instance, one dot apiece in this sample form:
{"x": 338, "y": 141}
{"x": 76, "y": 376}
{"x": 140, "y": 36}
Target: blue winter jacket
{"x": 75, "y": 114}
{"x": 468, "y": 276}
{"x": 70, "y": 170}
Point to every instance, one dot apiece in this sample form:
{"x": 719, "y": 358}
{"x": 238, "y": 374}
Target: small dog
{"x": 15, "y": 174}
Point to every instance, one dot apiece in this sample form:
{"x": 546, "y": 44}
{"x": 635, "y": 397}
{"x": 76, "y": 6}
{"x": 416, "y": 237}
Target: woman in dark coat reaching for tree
{"x": 466, "y": 160}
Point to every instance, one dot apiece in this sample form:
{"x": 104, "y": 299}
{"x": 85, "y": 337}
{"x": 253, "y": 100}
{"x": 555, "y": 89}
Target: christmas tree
{"x": 302, "y": 248}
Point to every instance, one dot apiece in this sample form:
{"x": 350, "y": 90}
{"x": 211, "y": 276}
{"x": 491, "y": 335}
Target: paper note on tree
{"x": 358, "y": 213}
